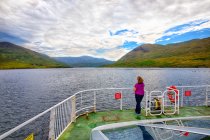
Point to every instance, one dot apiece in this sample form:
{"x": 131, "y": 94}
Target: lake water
{"x": 25, "y": 93}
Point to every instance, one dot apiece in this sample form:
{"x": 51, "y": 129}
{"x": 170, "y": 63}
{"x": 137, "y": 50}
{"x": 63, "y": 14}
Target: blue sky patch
{"x": 130, "y": 45}
{"x": 204, "y": 33}
{"x": 121, "y": 32}
{"x": 11, "y": 38}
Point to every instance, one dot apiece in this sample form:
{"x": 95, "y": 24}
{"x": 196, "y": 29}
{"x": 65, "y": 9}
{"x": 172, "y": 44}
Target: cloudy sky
{"x": 101, "y": 28}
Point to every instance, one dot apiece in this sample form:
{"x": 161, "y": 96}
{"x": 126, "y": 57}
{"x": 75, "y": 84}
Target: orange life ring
{"x": 171, "y": 96}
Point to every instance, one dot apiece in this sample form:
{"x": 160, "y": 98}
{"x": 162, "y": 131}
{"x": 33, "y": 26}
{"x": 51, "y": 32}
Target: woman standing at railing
{"x": 139, "y": 94}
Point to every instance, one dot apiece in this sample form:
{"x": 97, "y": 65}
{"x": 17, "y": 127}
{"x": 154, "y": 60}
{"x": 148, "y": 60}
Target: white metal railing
{"x": 91, "y": 100}
{"x": 201, "y": 92}
{"x": 66, "y": 112}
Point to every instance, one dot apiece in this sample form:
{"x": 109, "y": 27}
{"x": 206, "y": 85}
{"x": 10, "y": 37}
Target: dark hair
{"x": 140, "y": 80}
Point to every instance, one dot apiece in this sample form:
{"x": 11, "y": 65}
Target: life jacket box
{"x": 117, "y": 95}
{"x": 187, "y": 93}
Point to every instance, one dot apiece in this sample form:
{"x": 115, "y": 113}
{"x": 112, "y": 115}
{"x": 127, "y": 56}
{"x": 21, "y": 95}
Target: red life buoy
{"x": 171, "y": 96}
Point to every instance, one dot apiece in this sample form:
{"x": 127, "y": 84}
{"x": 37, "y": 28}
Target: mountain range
{"x": 193, "y": 53}
{"x": 84, "y": 61}
{"x": 16, "y": 57}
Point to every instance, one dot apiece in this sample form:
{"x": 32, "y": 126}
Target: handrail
{"x": 84, "y": 91}
{"x": 4, "y": 135}
{"x": 195, "y": 86}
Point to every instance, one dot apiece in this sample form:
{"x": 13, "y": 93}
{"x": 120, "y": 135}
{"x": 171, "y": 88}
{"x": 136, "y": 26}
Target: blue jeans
{"x": 138, "y": 103}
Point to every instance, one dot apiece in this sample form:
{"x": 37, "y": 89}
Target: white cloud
{"x": 80, "y": 27}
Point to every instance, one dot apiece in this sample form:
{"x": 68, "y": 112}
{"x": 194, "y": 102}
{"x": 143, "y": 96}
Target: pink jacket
{"x": 139, "y": 89}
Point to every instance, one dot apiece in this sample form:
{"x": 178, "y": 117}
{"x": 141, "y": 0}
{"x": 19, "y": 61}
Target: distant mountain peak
{"x": 141, "y": 48}
{"x": 84, "y": 61}
{"x": 194, "y": 53}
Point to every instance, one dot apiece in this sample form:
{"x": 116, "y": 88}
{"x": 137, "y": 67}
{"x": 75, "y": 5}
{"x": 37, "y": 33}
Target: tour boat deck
{"x": 81, "y": 129}
{"x": 112, "y": 105}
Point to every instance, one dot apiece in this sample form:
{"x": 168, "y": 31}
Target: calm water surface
{"x": 25, "y": 93}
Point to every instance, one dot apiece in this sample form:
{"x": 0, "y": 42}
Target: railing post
{"x": 121, "y": 101}
{"x": 51, "y": 126}
{"x": 81, "y": 101}
{"x": 94, "y": 102}
{"x": 207, "y": 96}
{"x": 146, "y": 106}
{"x": 182, "y": 97}
{"x": 73, "y": 105}
{"x": 178, "y": 103}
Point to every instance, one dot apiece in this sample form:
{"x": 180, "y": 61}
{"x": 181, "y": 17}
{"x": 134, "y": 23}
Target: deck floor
{"x": 81, "y": 129}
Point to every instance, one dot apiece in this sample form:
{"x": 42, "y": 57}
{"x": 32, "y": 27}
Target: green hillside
{"x": 16, "y": 57}
{"x": 194, "y": 53}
